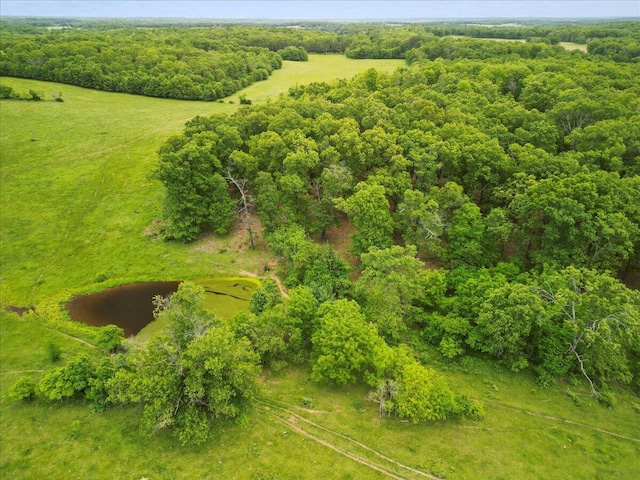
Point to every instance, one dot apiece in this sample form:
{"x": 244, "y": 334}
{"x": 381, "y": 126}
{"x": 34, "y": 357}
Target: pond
{"x": 130, "y": 307}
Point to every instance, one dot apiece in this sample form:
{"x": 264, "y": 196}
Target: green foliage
{"x": 317, "y": 267}
{"x": 296, "y": 54}
{"x": 368, "y": 211}
{"x": 67, "y": 381}
{"x": 266, "y": 296}
{"x": 110, "y": 338}
{"x": 54, "y": 352}
{"x": 274, "y": 335}
{"x": 196, "y": 372}
{"x": 7, "y": 92}
{"x": 391, "y": 281}
{"x": 35, "y": 96}
{"x": 197, "y": 194}
{"x": 154, "y": 62}
{"x": 343, "y": 344}
{"x": 24, "y": 389}
{"x": 424, "y": 395}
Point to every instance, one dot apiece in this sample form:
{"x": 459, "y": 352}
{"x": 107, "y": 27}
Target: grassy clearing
{"x": 573, "y": 46}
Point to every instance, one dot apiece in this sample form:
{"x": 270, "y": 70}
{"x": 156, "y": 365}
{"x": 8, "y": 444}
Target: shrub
{"x": 54, "y": 352}
{"x": 7, "y": 92}
{"x": 110, "y": 338}
{"x": 24, "y": 389}
{"x": 35, "y": 96}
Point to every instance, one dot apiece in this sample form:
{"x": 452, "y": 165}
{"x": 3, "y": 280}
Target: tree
{"x": 334, "y": 182}
{"x": 595, "y": 321}
{"x": 588, "y": 219}
{"x": 274, "y": 335}
{"x": 110, "y": 338}
{"x": 423, "y": 395}
{"x": 245, "y": 203}
{"x": 196, "y": 372}
{"x": 343, "y": 344}
{"x": 296, "y": 54}
{"x": 302, "y": 308}
{"x": 67, "y": 381}
{"x": 24, "y": 389}
{"x": 505, "y": 322}
{"x": 368, "y": 212}
{"x": 197, "y": 194}
{"x": 391, "y": 281}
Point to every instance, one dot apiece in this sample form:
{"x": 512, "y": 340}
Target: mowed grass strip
{"x": 77, "y": 196}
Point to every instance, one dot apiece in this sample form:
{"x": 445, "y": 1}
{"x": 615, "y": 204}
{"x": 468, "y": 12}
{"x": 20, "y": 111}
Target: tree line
{"x": 165, "y": 63}
{"x": 209, "y": 63}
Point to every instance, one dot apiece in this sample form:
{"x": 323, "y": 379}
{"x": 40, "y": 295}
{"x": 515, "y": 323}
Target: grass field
{"x": 573, "y": 46}
{"x": 77, "y": 214}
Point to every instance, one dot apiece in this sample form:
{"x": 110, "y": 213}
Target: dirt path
{"x": 283, "y": 292}
{"x": 292, "y": 422}
{"x": 562, "y": 420}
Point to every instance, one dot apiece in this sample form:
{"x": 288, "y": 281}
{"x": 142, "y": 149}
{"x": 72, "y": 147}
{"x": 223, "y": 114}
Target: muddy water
{"x": 128, "y": 306}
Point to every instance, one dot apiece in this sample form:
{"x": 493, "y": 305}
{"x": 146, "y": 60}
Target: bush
{"x": 35, "y": 96}
{"x": 296, "y": 54}
{"x": 54, "y": 352}
{"x": 69, "y": 380}
{"x": 110, "y": 338}
{"x": 24, "y": 389}
{"x": 7, "y": 92}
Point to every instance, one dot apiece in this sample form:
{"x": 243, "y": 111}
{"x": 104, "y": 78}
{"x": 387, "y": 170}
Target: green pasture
{"x": 573, "y": 46}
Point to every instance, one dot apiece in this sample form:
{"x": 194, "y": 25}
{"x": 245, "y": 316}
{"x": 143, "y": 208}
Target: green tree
{"x": 197, "y": 194}
{"x": 594, "y": 327}
{"x": 391, "y": 281}
{"x": 343, "y": 344}
{"x": 368, "y": 211}
{"x": 110, "y": 338}
{"x": 68, "y": 381}
{"x": 196, "y": 372}
{"x": 24, "y": 389}
{"x": 423, "y": 395}
{"x": 505, "y": 322}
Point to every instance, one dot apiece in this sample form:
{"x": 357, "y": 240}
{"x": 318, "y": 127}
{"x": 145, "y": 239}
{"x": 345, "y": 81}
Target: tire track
{"x": 562, "y": 420}
{"x": 291, "y": 422}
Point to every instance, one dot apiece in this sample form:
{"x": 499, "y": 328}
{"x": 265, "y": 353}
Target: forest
{"x": 204, "y": 63}
{"x": 490, "y": 189}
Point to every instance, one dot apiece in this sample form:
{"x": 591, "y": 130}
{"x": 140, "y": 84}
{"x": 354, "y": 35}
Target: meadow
{"x": 80, "y": 213}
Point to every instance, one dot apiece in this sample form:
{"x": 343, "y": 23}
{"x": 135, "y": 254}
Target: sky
{"x": 323, "y": 10}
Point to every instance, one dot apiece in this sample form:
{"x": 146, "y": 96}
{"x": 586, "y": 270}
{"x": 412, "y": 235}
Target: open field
{"x": 78, "y": 213}
{"x": 573, "y": 46}
{"x": 566, "y": 45}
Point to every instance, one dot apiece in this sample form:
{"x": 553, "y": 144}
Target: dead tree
{"x": 245, "y": 203}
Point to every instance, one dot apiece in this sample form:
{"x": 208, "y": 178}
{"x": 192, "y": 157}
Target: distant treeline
{"x": 208, "y": 63}
{"x": 172, "y": 63}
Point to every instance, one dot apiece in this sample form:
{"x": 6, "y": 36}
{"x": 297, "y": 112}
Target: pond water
{"x": 130, "y": 307}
